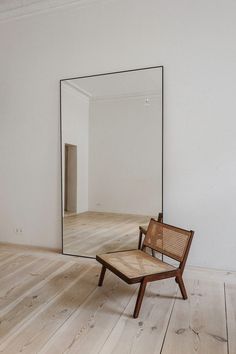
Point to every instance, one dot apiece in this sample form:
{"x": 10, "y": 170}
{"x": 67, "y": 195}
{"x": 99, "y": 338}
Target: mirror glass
{"x": 111, "y": 143}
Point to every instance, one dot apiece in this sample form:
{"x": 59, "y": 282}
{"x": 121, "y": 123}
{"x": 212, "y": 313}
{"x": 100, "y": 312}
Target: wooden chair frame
{"x": 143, "y": 280}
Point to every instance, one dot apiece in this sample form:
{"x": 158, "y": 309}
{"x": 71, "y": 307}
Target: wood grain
{"x": 145, "y": 334}
{"x": 50, "y": 303}
{"x": 198, "y": 325}
{"x": 33, "y": 302}
{"x": 88, "y": 329}
{"x": 53, "y": 315}
{"x": 14, "y": 288}
{"x": 91, "y": 233}
{"x": 14, "y": 264}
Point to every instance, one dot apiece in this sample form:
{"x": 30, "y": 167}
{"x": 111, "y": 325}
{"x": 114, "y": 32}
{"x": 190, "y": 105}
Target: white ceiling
{"x": 16, "y": 8}
{"x": 132, "y": 83}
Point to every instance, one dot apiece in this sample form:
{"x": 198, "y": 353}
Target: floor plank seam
{"x": 31, "y": 316}
{"x": 226, "y": 319}
{"x": 9, "y": 307}
{"x": 5, "y": 260}
{"x": 73, "y": 315}
{"x": 104, "y": 316}
{"x": 19, "y": 269}
{"x": 121, "y": 314}
{"x": 167, "y": 327}
{"x": 67, "y": 319}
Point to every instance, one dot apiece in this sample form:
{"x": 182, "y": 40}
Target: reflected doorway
{"x": 70, "y": 190}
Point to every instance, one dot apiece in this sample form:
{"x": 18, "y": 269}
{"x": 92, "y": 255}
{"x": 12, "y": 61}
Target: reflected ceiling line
{"x": 77, "y": 88}
{"x": 127, "y": 95}
{"x": 140, "y": 94}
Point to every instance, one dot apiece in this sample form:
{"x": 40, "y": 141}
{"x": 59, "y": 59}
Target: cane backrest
{"x": 166, "y": 239}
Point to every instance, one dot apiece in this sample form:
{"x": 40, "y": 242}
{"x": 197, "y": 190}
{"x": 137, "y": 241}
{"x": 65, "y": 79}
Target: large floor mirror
{"x": 112, "y": 158}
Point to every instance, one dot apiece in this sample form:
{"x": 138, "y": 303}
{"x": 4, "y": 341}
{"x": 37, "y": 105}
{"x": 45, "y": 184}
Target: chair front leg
{"x": 140, "y": 298}
{"x": 102, "y": 274}
{"x": 180, "y": 282}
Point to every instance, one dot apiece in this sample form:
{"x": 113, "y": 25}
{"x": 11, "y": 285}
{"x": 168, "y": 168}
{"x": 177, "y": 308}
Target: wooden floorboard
{"x": 50, "y": 303}
{"x": 89, "y": 328}
{"x": 33, "y": 302}
{"x": 14, "y": 264}
{"x": 4, "y": 257}
{"x": 198, "y": 325}
{"x": 144, "y": 334}
{"x": 52, "y": 316}
{"x": 16, "y": 287}
{"x": 92, "y": 233}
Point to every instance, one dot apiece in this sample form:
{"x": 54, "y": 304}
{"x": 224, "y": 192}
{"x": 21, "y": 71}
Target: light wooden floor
{"x": 50, "y": 303}
{"x": 92, "y": 233}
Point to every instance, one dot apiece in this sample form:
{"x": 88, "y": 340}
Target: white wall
{"x": 194, "y": 40}
{"x": 75, "y": 128}
{"x": 125, "y": 155}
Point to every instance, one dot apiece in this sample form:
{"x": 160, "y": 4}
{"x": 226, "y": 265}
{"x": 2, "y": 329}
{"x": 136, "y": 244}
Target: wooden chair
{"x": 137, "y": 266}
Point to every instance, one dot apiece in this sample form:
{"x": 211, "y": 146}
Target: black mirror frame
{"x": 162, "y": 103}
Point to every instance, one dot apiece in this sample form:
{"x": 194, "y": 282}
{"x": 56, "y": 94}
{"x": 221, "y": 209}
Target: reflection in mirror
{"x": 111, "y": 159}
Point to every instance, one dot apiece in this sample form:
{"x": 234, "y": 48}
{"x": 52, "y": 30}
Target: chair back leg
{"x": 102, "y": 274}
{"x": 140, "y": 298}
{"x": 180, "y": 282}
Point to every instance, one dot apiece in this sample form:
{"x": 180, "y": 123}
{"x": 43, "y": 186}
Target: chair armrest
{"x": 160, "y": 217}
{"x": 142, "y": 231}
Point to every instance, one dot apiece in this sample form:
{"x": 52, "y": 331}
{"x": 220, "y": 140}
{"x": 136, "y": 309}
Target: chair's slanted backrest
{"x": 168, "y": 240}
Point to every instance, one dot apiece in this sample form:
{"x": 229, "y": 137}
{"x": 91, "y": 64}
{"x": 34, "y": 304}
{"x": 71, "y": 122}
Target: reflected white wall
{"x": 75, "y": 121}
{"x": 125, "y": 155}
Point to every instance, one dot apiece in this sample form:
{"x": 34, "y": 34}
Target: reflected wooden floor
{"x": 50, "y": 303}
{"x": 92, "y": 233}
